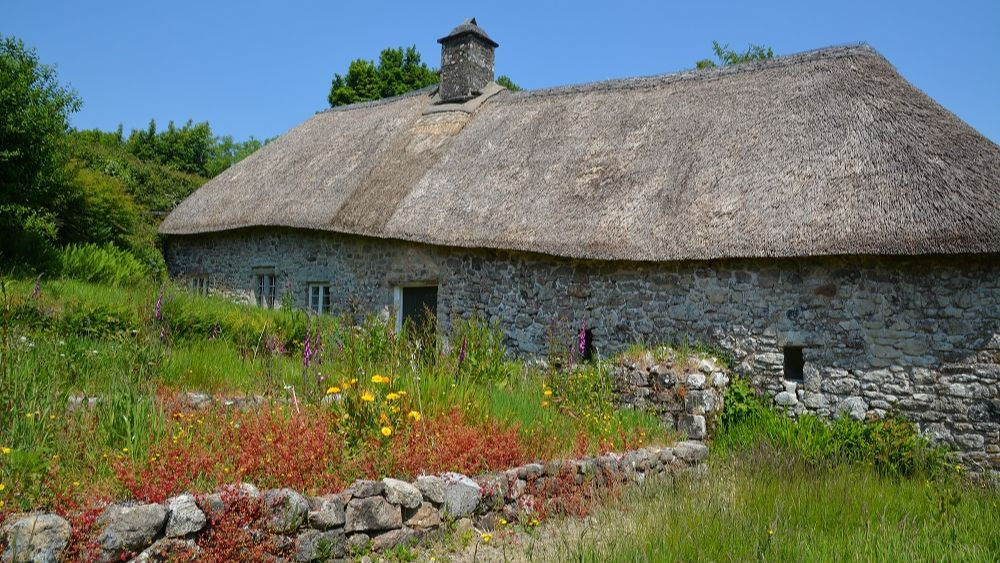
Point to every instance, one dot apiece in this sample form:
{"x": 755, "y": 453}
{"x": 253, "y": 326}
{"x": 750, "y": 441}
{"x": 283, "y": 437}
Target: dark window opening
{"x": 419, "y": 305}
{"x": 588, "y": 344}
{"x": 794, "y": 363}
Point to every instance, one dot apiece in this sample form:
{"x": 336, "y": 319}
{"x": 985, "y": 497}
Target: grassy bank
{"x": 768, "y": 506}
{"x": 341, "y": 401}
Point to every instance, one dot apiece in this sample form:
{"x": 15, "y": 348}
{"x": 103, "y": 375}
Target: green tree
{"x": 507, "y": 83}
{"x": 34, "y": 120}
{"x": 727, "y": 56}
{"x": 398, "y": 71}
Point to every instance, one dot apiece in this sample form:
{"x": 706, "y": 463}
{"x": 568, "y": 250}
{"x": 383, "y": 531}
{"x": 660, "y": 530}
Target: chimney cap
{"x": 469, "y": 27}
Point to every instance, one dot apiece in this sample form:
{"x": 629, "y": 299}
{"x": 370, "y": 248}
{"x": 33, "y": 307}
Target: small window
{"x": 794, "y": 363}
{"x": 199, "y": 285}
{"x": 319, "y": 298}
{"x": 266, "y": 289}
{"x": 418, "y": 304}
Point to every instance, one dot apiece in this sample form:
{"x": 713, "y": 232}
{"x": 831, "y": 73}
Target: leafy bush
{"x": 892, "y": 445}
{"x": 103, "y": 264}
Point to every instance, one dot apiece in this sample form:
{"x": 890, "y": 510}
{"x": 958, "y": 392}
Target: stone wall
{"x": 918, "y": 334}
{"x": 378, "y": 515}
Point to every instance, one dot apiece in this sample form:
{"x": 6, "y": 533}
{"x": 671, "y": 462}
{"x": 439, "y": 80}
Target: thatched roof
{"x": 829, "y": 152}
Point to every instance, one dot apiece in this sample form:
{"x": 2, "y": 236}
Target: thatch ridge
{"x": 828, "y": 152}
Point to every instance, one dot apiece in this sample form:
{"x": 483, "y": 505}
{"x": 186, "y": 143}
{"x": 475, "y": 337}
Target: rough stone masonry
{"x": 918, "y": 334}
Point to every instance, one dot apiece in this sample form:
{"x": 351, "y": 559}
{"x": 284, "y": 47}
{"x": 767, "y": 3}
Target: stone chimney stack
{"x": 466, "y": 62}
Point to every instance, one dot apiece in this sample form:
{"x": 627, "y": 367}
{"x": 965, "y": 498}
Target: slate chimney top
{"x": 466, "y": 62}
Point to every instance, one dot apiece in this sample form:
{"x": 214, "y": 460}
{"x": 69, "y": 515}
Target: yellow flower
{"x": 770, "y": 532}
{"x": 6, "y": 451}
{"x": 76, "y": 483}
{"x": 367, "y": 397}
{"x": 403, "y": 393}
{"x": 486, "y": 537}
{"x": 545, "y": 403}
{"x": 386, "y": 431}
{"x": 503, "y": 521}
{"x": 379, "y": 379}
{"x": 333, "y": 390}
{"x": 548, "y": 392}
{"x": 2, "y": 486}
{"x": 125, "y": 450}
{"x": 414, "y": 415}
{"x": 392, "y": 396}
{"x": 354, "y": 381}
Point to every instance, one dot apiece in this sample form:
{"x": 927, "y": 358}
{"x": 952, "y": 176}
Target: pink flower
{"x": 158, "y": 310}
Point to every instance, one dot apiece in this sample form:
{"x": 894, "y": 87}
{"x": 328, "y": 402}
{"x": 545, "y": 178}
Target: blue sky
{"x": 259, "y": 68}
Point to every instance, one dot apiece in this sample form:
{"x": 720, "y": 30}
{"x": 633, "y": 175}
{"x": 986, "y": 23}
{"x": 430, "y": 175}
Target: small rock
{"x": 185, "y": 516}
{"x": 363, "y": 488}
{"x": 432, "y": 487}
{"x": 402, "y": 493}
{"x": 530, "y": 471}
{"x": 357, "y": 542}
{"x": 786, "y": 399}
{"x": 327, "y": 513}
{"x": 719, "y": 379}
{"x": 372, "y": 513}
{"x": 461, "y": 495}
{"x": 196, "y": 400}
{"x": 690, "y": 451}
{"x": 287, "y": 510}
{"x": 394, "y": 538}
{"x": 855, "y": 407}
{"x": 693, "y": 425}
{"x": 169, "y": 549}
{"x": 696, "y": 380}
{"x": 41, "y": 537}
{"x": 129, "y": 529}
{"x": 315, "y": 545}
{"x": 423, "y": 518}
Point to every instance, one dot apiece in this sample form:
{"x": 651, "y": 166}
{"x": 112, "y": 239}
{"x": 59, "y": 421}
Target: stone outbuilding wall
{"x": 918, "y": 334}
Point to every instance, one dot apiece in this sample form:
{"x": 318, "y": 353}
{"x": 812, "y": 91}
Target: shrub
{"x": 103, "y": 264}
{"x": 892, "y": 445}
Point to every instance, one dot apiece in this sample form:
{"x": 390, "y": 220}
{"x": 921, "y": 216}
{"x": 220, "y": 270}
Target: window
{"x": 794, "y": 363}
{"x": 415, "y": 303}
{"x": 265, "y": 289}
{"x": 318, "y": 298}
{"x": 199, "y": 285}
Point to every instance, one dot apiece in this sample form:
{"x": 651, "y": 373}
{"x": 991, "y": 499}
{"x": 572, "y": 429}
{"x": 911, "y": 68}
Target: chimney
{"x": 466, "y": 62}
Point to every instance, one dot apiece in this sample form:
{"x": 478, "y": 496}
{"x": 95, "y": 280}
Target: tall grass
{"x": 765, "y": 505}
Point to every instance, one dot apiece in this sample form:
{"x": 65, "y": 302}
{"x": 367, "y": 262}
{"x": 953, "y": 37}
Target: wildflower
{"x": 403, "y": 393}
{"x": 29, "y": 415}
{"x": 770, "y": 532}
{"x": 548, "y": 392}
{"x": 158, "y": 309}
{"x": 367, "y": 397}
{"x": 379, "y": 379}
{"x": 354, "y": 381}
{"x": 503, "y": 521}
{"x": 5, "y": 450}
{"x": 583, "y": 338}
{"x": 486, "y": 537}
{"x": 545, "y": 403}
{"x": 306, "y": 346}
{"x": 333, "y": 390}
{"x": 413, "y": 415}
{"x": 392, "y": 397}
{"x": 125, "y": 450}
{"x": 76, "y": 483}
{"x": 386, "y": 431}
{"x": 2, "y": 486}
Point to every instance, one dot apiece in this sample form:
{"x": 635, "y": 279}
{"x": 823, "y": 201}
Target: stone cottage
{"x": 817, "y": 215}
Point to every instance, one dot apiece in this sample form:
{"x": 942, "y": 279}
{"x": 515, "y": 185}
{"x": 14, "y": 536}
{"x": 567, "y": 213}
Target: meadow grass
{"x": 768, "y": 505}
{"x": 133, "y": 348}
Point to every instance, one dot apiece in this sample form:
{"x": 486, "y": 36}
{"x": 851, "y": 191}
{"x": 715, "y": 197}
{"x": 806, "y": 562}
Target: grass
{"x": 366, "y": 399}
{"x": 766, "y": 505}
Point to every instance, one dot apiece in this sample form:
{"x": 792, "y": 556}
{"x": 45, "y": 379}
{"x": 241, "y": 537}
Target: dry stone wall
{"x": 378, "y": 515}
{"x": 921, "y": 335}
